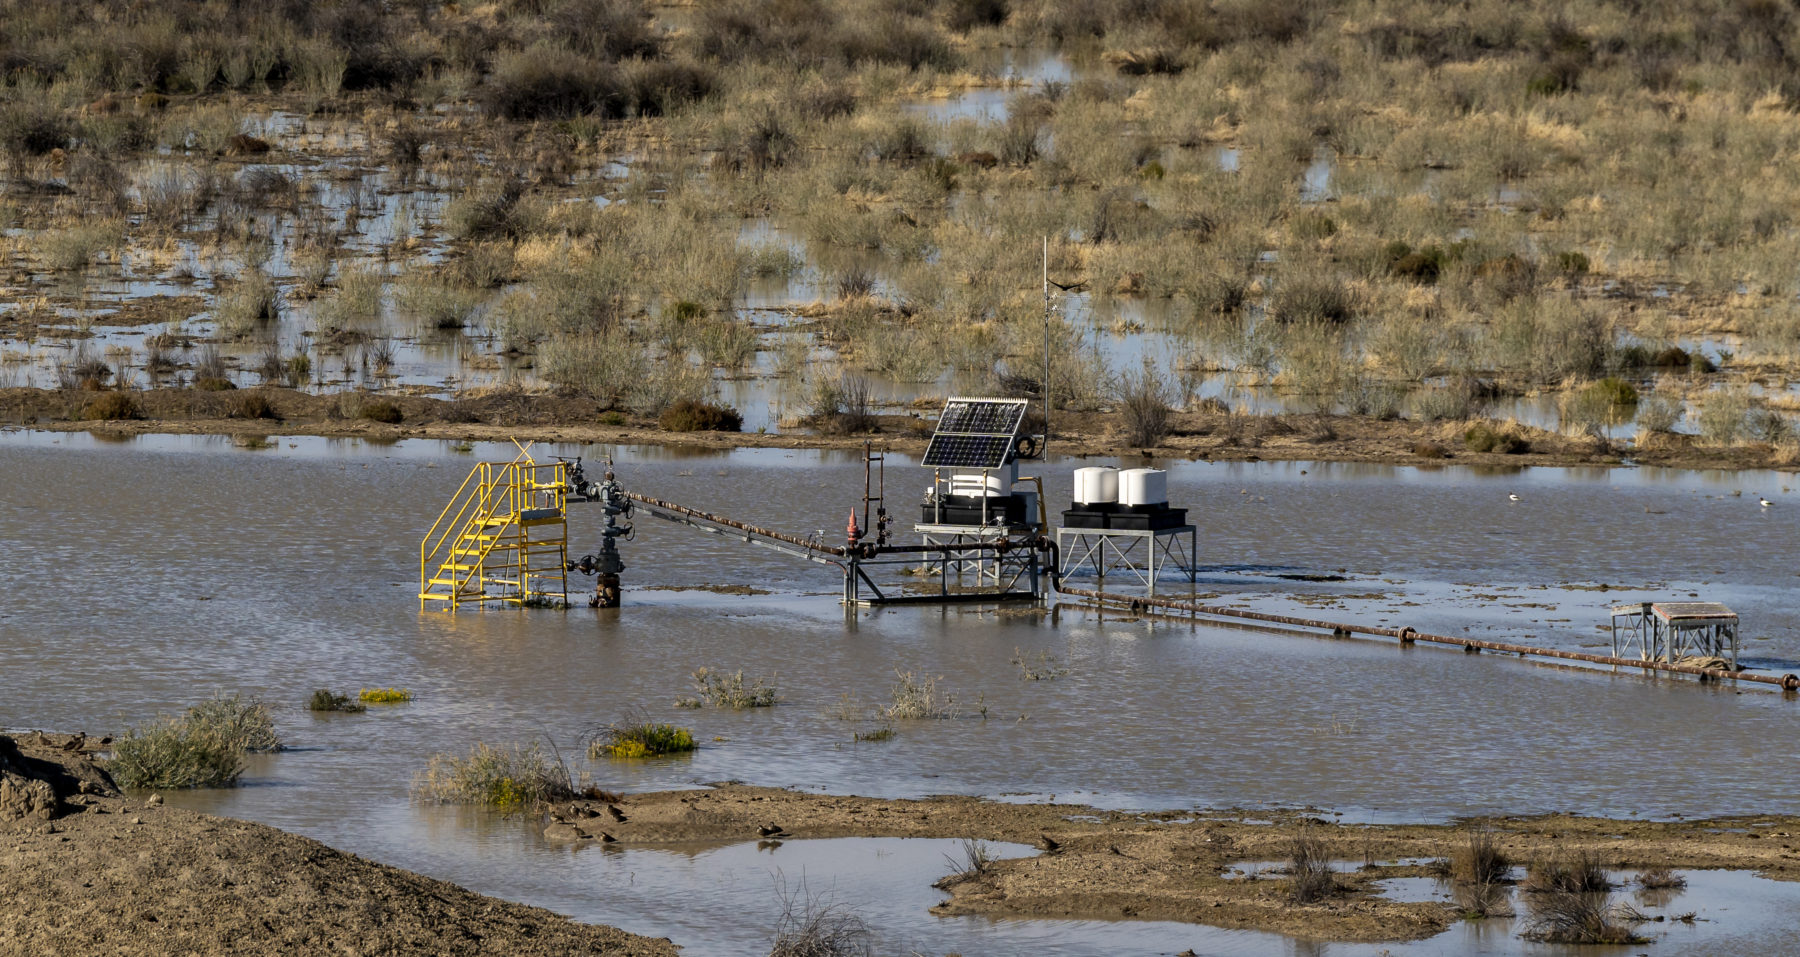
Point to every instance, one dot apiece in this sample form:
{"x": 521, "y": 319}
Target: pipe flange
{"x": 1408, "y": 635}
{"x": 1790, "y": 682}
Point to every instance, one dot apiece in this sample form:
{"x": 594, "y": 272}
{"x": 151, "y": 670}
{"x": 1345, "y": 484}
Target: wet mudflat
{"x": 149, "y": 573}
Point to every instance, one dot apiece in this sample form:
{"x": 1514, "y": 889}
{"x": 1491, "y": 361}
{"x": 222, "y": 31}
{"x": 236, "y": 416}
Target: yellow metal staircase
{"x": 504, "y": 538}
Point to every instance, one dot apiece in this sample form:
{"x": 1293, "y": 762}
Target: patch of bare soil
{"x": 1172, "y": 865}
{"x": 85, "y": 870}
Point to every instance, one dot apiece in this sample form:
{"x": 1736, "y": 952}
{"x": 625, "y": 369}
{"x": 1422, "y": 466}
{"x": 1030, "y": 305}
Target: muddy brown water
{"x": 148, "y": 573}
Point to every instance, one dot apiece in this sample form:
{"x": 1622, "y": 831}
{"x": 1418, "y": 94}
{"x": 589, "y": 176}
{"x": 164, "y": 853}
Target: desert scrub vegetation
{"x": 641, "y": 739}
{"x": 728, "y": 689}
{"x": 1341, "y": 201}
{"x": 509, "y": 779}
{"x": 919, "y": 696}
{"x": 1479, "y": 860}
{"x": 1578, "y": 917}
{"x": 202, "y": 748}
{"x": 323, "y": 699}
{"x": 690, "y": 415}
{"x": 1310, "y": 877}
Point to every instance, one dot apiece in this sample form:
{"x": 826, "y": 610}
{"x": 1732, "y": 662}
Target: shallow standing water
{"x": 150, "y": 572}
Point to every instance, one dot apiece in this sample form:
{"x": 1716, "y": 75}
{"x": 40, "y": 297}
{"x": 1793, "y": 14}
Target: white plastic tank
{"x": 978, "y": 485}
{"x": 1097, "y": 485}
{"x": 1143, "y": 487}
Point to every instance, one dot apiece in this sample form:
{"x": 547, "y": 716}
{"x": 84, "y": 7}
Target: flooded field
{"x": 151, "y": 572}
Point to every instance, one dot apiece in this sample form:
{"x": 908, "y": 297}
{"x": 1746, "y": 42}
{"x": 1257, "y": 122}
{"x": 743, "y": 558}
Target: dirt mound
{"x": 38, "y": 780}
{"x": 92, "y": 871}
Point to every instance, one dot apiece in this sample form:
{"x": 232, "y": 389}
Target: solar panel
{"x": 982, "y": 416}
{"x": 968, "y": 451}
{"x": 975, "y": 433}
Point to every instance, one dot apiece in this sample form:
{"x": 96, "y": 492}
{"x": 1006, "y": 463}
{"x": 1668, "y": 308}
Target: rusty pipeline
{"x": 796, "y": 540}
{"x": 1406, "y": 636}
{"x": 862, "y": 549}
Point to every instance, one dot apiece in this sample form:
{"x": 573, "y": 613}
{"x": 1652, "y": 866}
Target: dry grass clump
{"x": 507, "y": 779}
{"x": 810, "y": 927}
{"x": 1576, "y": 872}
{"x": 112, "y": 406}
{"x": 1143, "y": 399}
{"x": 1660, "y": 878}
{"x": 841, "y": 406}
{"x": 254, "y": 405}
{"x": 973, "y": 858}
{"x": 720, "y": 689}
{"x": 1311, "y": 878}
{"x": 202, "y": 748}
{"x": 1479, "y": 860}
{"x": 383, "y": 410}
{"x": 916, "y": 696}
{"x": 1575, "y": 917}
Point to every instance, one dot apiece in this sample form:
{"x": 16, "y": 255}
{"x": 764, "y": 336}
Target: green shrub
{"x": 112, "y": 406}
{"x": 1572, "y": 263}
{"x": 643, "y": 739}
{"x": 384, "y": 695}
{"x": 324, "y": 700}
{"x": 383, "y": 410}
{"x": 506, "y": 779}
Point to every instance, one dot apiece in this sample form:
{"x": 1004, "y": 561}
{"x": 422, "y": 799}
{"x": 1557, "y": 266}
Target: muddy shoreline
{"x": 125, "y": 871}
{"x": 1215, "y": 436}
{"x": 1172, "y": 865}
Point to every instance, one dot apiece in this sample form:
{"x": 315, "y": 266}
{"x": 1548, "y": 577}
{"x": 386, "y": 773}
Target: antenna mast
{"x": 1044, "y": 449}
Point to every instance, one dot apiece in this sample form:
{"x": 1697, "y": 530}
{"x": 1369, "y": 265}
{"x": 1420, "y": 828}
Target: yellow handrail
{"x": 491, "y": 489}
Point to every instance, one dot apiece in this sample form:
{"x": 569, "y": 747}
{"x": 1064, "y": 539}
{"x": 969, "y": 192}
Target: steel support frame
{"x": 1110, "y": 549}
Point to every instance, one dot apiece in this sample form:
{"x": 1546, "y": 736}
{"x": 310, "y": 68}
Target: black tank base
{"x": 606, "y": 592}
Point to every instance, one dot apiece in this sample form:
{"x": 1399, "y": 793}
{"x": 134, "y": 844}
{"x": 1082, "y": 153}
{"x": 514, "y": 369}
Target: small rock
{"x": 137, "y": 820}
{"x": 562, "y": 832}
{"x": 155, "y": 800}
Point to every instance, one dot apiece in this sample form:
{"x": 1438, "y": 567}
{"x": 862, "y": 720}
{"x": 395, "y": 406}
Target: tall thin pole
{"x": 1045, "y": 450}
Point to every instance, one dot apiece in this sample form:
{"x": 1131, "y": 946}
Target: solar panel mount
{"x": 975, "y": 433}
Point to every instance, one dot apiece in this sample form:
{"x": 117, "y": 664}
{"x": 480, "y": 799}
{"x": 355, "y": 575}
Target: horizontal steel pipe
{"x": 1787, "y": 682}
{"x": 741, "y": 526}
